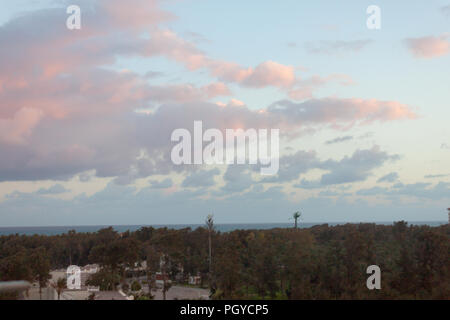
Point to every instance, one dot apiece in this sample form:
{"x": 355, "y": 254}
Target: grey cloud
{"x": 164, "y": 184}
{"x": 291, "y": 166}
{"x": 366, "y": 135}
{"x": 153, "y": 74}
{"x": 417, "y": 190}
{"x": 330, "y": 193}
{"x": 433, "y": 176}
{"x": 358, "y": 167}
{"x": 390, "y": 177}
{"x": 119, "y": 205}
{"x": 308, "y": 184}
{"x": 339, "y": 139}
{"x": 354, "y": 168}
{"x": 371, "y": 191}
{"x": 237, "y": 179}
{"x": 201, "y": 178}
{"x": 334, "y": 47}
{"x": 446, "y": 11}
{"x": 335, "y": 111}
{"x": 197, "y": 37}
{"x": 55, "y": 189}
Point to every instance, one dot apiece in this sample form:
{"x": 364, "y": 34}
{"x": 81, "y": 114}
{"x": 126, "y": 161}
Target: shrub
{"x": 136, "y": 286}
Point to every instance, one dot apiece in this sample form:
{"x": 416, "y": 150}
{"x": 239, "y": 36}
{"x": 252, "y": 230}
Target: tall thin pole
{"x": 210, "y": 225}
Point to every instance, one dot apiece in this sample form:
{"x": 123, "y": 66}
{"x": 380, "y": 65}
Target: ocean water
{"x": 54, "y": 230}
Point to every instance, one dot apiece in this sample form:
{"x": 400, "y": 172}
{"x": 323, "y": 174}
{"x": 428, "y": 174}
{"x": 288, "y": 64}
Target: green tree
{"x": 165, "y": 265}
{"x": 60, "y": 285}
{"x": 152, "y": 260}
{"x": 136, "y": 286}
{"x": 40, "y": 266}
{"x": 105, "y": 279}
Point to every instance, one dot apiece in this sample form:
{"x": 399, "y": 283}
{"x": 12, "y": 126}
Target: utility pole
{"x": 210, "y": 225}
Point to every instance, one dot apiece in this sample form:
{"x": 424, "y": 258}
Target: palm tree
{"x": 296, "y": 216}
{"x": 60, "y": 286}
{"x": 210, "y": 225}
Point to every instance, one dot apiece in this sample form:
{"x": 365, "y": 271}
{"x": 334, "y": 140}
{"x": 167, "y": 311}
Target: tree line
{"x": 321, "y": 262}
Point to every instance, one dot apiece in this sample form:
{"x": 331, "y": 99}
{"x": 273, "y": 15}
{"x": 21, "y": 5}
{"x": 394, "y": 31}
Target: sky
{"x": 86, "y": 115}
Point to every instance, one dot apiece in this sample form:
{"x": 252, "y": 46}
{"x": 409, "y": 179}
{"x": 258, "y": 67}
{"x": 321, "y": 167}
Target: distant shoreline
{"x": 224, "y": 227}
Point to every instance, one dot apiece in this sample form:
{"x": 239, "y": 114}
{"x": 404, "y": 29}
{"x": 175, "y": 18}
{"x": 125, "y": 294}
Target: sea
{"x": 55, "y": 230}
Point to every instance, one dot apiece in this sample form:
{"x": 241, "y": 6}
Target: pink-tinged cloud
{"x": 302, "y": 93}
{"x": 64, "y": 110}
{"x": 429, "y": 47}
{"x": 271, "y": 73}
{"x": 304, "y": 88}
{"x": 268, "y": 73}
{"x": 340, "y": 113}
{"x": 16, "y": 129}
{"x": 136, "y": 14}
{"x": 112, "y": 143}
{"x": 185, "y": 92}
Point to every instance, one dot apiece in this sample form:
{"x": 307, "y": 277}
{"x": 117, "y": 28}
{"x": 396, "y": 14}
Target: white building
{"x": 77, "y": 277}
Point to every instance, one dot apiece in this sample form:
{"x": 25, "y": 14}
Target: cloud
{"x": 237, "y": 179}
{"x": 196, "y": 37}
{"x": 185, "y": 92}
{"x": 336, "y": 47}
{"x": 419, "y": 190}
{"x": 111, "y": 143}
{"x": 366, "y": 135}
{"x": 164, "y": 184}
{"x": 153, "y": 74}
{"x": 390, "y": 177}
{"x": 301, "y": 93}
{"x": 119, "y": 205}
{"x": 66, "y": 110}
{"x": 336, "y": 112}
{"x": 446, "y": 10}
{"x": 339, "y": 139}
{"x": 433, "y": 176}
{"x": 308, "y": 184}
{"x": 20, "y": 126}
{"x": 356, "y": 168}
{"x": 429, "y": 47}
{"x": 371, "y": 191}
{"x": 55, "y": 189}
{"x": 201, "y": 178}
{"x": 270, "y": 73}
{"x": 291, "y": 166}
{"x": 304, "y": 88}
